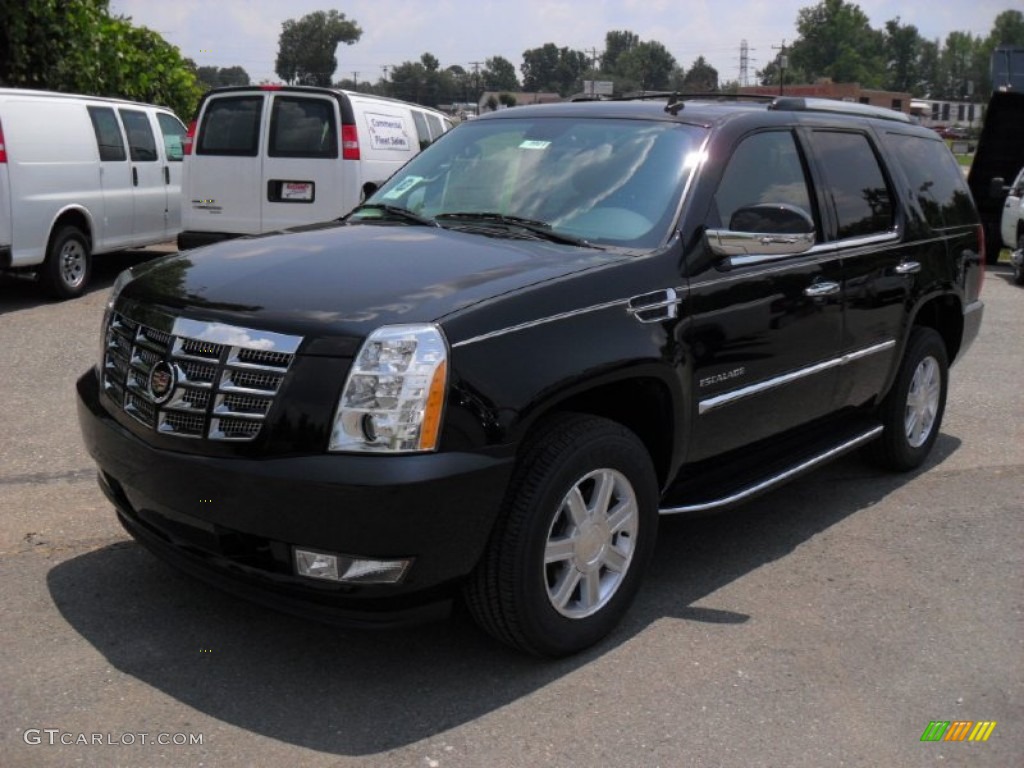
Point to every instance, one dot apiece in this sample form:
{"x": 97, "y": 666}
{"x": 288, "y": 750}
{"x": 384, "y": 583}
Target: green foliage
{"x": 836, "y": 41}
{"x": 649, "y": 64}
{"x": 499, "y": 74}
{"x": 701, "y": 77}
{"x": 554, "y": 69}
{"x": 216, "y": 77}
{"x": 306, "y": 47}
{"x": 76, "y": 46}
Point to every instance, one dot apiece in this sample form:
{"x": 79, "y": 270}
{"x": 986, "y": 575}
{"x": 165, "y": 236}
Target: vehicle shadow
{"x": 365, "y": 692}
{"x": 23, "y": 291}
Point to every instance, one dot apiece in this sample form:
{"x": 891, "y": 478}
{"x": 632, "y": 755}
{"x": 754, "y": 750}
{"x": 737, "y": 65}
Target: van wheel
{"x": 68, "y": 264}
{"x": 912, "y": 411}
{"x": 575, "y": 534}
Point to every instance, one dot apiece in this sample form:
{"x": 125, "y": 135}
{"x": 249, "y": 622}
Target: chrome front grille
{"x": 214, "y": 381}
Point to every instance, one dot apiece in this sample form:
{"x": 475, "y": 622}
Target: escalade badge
{"x": 162, "y": 379}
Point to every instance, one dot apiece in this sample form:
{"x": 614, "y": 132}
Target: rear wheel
{"x": 68, "y": 264}
{"x": 576, "y": 533}
{"x": 912, "y": 411}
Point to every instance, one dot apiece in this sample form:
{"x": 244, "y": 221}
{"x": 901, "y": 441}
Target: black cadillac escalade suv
{"x": 550, "y": 327}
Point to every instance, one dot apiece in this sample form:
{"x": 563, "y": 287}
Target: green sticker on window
{"x": 532, "y": 144}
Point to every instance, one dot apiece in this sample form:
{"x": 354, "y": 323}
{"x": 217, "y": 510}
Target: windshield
{"x": 606, "y": 182}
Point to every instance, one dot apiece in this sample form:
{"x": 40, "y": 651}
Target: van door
{"x": 302, "y": 172}
{"x": 115, "y": 227}
{"x": 173, "y": 133}
{"x": 148, "y": 185}
{"x": 223, "y": 174}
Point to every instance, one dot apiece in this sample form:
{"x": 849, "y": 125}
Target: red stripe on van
{"x": 3, "y": 146}
{"x": 349, "y": 142}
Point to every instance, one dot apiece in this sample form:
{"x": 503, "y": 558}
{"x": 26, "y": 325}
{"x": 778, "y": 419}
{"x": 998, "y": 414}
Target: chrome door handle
{"x": 908, "y": 268}
{"x": 817, "y": 290}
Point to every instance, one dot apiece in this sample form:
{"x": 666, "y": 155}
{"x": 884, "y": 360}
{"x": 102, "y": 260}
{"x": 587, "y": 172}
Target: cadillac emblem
{"x": 162, "y": 379}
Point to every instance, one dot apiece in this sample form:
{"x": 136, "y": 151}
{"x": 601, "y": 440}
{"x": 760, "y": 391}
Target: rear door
{"x": 224, "y": 174}
{"x": 302, "y": 173}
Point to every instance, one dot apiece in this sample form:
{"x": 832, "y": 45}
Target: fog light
{"x": 353, "y": 570}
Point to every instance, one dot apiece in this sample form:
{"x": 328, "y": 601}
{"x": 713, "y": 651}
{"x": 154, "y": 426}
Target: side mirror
{"x": 776, "y": 229}
{"x": 997, "y": 187}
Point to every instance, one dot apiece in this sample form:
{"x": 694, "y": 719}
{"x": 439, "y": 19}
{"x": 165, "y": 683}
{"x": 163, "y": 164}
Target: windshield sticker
{"x": 533, "y": 144}
{"x": 388, "y": 132}
{"x": 402, "y": 187}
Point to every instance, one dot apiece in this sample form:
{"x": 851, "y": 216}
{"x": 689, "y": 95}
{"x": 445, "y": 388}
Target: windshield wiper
{"x": 393, "y": 210}
{"x": 534, "y": 226}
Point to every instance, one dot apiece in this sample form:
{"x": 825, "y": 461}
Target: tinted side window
{"x": 855, "y": 184}
{"x": 421, "y": 128}
{"x": 108, "y": 133}
{"x": 173, "y": 133}
{"x": 301, "y": 127}
{"x": 765, "y": 168}
{"x": 141, "y": 142}
{"x": 231, "y": 126}
{"x": 935, "y": 178}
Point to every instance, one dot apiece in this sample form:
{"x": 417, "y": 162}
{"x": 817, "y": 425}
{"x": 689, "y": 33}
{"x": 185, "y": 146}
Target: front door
{"x": 764, "y": 331}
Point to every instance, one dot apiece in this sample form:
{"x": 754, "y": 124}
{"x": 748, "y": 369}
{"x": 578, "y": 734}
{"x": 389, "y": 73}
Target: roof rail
{"x": 800, "y": 104}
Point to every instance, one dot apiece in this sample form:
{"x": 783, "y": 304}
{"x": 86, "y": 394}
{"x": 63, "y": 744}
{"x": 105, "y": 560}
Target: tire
{"x": 912, "y": 411}
{"x": 576, "y": 532}
{"x": 68, "y": 264}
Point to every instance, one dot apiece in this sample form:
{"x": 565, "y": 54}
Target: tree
{"x": 500, "y": 75}
{"x": 701, "y": 78}
{"x": 617, "y": 43}
{"x": 550, "y": 68}
{"x": 836, "y": 41}
{"x": 216, "y": 77}
{"x": 77, "y": 46}
{"x": 649, "y": 64}
{"x": 306, "y": 48}
{"x": 902, "y": 47}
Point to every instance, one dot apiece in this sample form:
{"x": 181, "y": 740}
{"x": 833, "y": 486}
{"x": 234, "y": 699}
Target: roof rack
{"x": 801, "y": 104}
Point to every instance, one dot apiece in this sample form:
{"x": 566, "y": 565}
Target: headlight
{"x": 395, "y": 392}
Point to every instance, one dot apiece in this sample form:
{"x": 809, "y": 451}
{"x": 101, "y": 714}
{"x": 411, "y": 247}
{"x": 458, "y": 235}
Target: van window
{"x": 859, "y": 193}
{"x": 108, "y": 133}
{"x": 141, "y": 142}
{"x": 231, "y": 126}
{"x": 436, "y": 129}
{"x": 173, "y": 133}
{"x": 302, "y": 127}
{"x": 936, "y": 181}
{"x": 422, "y": 130}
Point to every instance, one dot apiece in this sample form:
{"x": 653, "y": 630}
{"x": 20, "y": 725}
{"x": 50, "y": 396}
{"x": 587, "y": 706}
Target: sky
{"x": 245, "y": 33}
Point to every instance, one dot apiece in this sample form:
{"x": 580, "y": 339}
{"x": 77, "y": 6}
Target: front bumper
{"x": 235, "y": 521}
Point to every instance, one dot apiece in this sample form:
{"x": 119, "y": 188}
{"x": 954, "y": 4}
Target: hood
{"x": 351, "y": 279}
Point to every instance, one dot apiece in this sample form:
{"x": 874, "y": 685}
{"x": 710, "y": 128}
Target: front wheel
{"x": 576, "y": 533}
{"x": 912, "y": 411}
{"x": 68, "y": 264}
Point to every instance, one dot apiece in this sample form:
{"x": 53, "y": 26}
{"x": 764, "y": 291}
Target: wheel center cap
{"x": 590, "y": 542}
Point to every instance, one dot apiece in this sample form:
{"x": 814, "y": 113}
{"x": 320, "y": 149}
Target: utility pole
{"x": 744, "y": 61}
{"x": 783, "y": 63}
{"x": 355, "y": 81}
{"x": 476, "y": 77}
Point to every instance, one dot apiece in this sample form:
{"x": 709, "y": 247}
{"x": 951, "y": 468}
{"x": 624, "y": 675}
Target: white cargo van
{"x": 83, "y": 175}
{"x": 264, "y": 158}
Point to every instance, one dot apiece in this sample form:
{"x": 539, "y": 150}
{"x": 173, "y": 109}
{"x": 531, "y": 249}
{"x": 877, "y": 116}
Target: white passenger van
{"x": 83, "y": 175}
{"x": 264, "y": 158}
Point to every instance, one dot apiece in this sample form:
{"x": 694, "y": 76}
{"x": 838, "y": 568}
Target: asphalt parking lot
{"x": 825, "y": 624}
